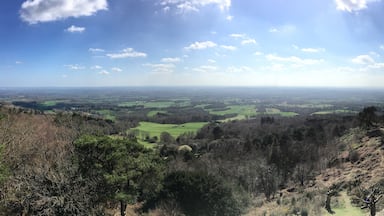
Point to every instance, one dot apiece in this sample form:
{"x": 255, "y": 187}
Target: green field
{"x": 339, "y": 111}
{"x": 274, "y": 111}
{"x": 309, "y": 105}
{"x": 53, "y": 102}
{"x": 107, "y": 114}
{"x": 155, "y": 129}
{"x": 155, "y": 112}
{"x": 240, "y": 110}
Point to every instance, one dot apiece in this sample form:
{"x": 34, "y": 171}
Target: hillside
{"x": 357, "y": 167}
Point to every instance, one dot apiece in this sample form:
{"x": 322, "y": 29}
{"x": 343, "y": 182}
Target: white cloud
{"x": 96, "y": 67}
{"x": 286, "y": 29}
{"x": 161, "y": 68}
{"x": 258, "y": 53}
{"x": 18, "y": 62}
{"x": 377, "y": 66}
{"x": 201, "y": 45}
{"x": 211, "y": 61}
{"x": 74, "y": 29}
{"x": 248, "y": 41}
{"x": 116, "y": 69}
{"x": 205, "y": 68}
{"x": 313, "y": 50}
{"x": 104, "y": 72}
{"x": 273, "y": 30}
{"x": 35, "y": 11}
{"x": 166, "y": 9}
{"x": 95, "y": 50}
{"x": 75, "y": 67}
{"x": 229, "y": 18}
{"x": 293, "y": 59}
{"x": 382, "y": 47}
{"x": 245, "y": 38}
{"x": 170, "y": 60}
{"x": 238, "y": 35}
{"x": 127, "y": 53}
{"x": 363, "y": 59}
{"x": 185, "y": 6}
{"x": 352, "y": 5}
{"x": 239, "y": 69}
{"x": 227, "y": 47}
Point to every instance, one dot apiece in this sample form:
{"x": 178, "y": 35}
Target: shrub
{"x": 304, "y": 212}
{"x": 199, "y": 194}
{"x": 354, "y": 156}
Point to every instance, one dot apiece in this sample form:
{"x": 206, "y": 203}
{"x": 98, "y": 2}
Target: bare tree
{"x": 330, "y": 193}
{"x": 371, "y": 200}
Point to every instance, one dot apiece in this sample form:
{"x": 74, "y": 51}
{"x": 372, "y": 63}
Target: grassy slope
{"x": 155, "y": 129}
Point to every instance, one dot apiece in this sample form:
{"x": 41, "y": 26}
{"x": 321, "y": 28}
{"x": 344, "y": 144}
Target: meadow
{"x": 155, "y": 129}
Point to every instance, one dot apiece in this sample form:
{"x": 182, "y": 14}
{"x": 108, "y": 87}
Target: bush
{"x": 304, "y": 212}
{"x": 354, "y": 156}
{"x": 199, "y": 194}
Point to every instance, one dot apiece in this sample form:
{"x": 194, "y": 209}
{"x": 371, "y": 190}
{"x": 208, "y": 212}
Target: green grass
{"x": 310, "y": 105}
{"x": 201, "y": 105}
{"x": 155, "y": 129}
{"x": 274, "y": 111}
{"x": 345, "y": 208}
{"x": 154, "y": 112}
{"x": 339, "y": 111}
{"x": 245, "y": 110}
{"x": 52, "y": 102}
{"x": 107, "y": 114}
{"x": 241, "y": 112}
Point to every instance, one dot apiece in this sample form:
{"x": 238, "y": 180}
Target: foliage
{"x": 368, "y": 116}
{"x": 126, "y": 170}
{"x": 199, "y": 194}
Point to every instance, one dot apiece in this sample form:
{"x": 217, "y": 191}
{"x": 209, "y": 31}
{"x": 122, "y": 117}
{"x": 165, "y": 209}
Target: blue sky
{"x": 65, "y": 43}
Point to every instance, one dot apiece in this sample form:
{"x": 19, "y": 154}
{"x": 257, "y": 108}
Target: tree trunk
{"x": 123, "y": 207}
{"x": 373, "y": 208}
{"x": 328, "y": 204}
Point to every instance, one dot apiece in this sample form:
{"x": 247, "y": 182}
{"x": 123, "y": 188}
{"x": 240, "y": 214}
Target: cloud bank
{"x": 201, "y": 45}
{"x": 35, "y": 11}
{"x": 352, "y": 5}
{"x": 185, "y": 6}
{"x": 127, "y": 53}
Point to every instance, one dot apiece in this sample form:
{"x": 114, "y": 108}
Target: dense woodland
{"x": 75, "y": 164}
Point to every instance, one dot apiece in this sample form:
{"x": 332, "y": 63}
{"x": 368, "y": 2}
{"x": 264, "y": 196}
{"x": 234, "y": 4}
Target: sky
{"x": 284, "y": 43}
